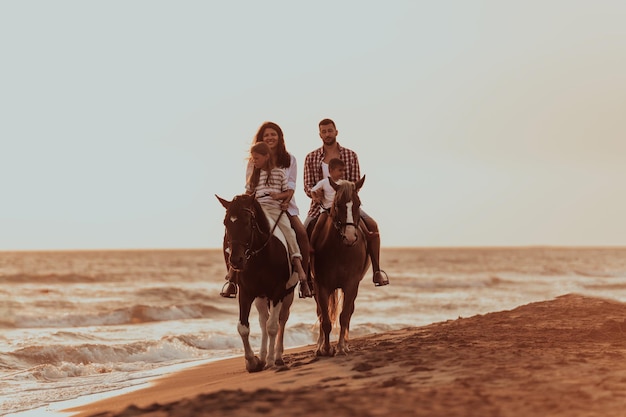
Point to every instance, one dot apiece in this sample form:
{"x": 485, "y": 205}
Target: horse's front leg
{"x": 272, "y": 331}
{"x": 253, "y": 364}
{"x": 263, "y": 309}
{"x": 323, "y": 342}
{"x": 282, "y": 322}
{"x": 349, "y": 297}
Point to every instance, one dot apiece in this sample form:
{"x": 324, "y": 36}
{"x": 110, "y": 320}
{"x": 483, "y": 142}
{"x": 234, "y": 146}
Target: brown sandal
{"x": 304, "y": 291}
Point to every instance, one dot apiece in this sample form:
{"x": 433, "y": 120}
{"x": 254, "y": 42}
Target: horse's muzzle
{"x": 237, "y": 262}
{"x": 350, "y": 242}
{"x": 350, "y": 235}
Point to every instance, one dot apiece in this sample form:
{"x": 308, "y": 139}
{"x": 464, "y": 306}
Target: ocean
{"x": 78, "y": 323}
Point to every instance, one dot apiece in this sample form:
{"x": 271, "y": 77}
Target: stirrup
{"x": 229, "y": 290}
{"x": 382, "y": 280}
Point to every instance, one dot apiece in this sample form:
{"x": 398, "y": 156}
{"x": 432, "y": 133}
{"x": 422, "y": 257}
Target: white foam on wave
{"x": 121, "y": 368}
{"x": 61, "y": 361}
{"x": 65, "y": 337}
{"x": 72, "y": 399}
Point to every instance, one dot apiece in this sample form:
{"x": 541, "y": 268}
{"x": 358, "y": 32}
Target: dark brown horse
{"x": 339, "y": 263}
{"x": 263, "y": 269}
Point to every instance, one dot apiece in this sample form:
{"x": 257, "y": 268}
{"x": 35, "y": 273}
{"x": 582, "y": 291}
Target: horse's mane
{"x": 248, "y": 202}
{"x": 345, "y": 190}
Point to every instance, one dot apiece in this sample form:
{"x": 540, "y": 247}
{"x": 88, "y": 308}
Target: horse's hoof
{"x": 279, "y": 362}
{"x": 325, "y": 352}
{"x": 255, "y": 365}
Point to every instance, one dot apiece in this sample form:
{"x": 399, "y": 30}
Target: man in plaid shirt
{"x": 316, "y": 169}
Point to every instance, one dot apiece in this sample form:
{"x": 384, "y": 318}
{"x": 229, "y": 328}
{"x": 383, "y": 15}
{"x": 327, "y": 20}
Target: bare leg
{"x": 302, "y": 238}
{"x": 303, "y": 243}
{"x": 305, "y": 291}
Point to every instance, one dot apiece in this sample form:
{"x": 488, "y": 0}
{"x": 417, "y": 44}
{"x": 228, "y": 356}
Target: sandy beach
{"x": 560, "y": 357}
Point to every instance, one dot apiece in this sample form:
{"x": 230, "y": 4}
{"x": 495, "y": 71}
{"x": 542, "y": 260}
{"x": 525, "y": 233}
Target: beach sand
{"x": 561, "y": 357}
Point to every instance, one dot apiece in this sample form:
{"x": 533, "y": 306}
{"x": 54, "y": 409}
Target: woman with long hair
{"x": 271, "y": 134}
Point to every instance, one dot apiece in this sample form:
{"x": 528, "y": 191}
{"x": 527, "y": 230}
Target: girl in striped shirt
{"x": 269, "y": 185}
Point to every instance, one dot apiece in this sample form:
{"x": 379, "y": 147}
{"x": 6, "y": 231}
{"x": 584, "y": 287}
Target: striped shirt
{"x": 292, "y": 174}
{"x": 277, "y": 184}
{"x": 313, "y": 172}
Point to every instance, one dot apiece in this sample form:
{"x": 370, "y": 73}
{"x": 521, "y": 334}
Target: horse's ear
{"x": 333, "y": 184}
{"x": 359, "y": 183}
{"x": 225, "y": 203}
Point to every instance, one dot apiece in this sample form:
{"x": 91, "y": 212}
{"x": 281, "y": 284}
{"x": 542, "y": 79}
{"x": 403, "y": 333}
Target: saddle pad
{"x": 279, "y": 234}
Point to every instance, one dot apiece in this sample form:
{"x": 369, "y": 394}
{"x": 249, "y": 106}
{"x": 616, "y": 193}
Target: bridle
{"x": 249, "y": 252}
{"x": 341, "y": 227}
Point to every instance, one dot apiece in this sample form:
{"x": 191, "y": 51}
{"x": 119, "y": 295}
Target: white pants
{"x": 285, "y": 226}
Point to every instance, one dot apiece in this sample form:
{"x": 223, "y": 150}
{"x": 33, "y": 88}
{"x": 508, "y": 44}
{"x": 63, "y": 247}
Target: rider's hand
{"x": 317, "y": 196}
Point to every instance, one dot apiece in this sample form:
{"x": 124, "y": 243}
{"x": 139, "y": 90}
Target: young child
{"x": 269, "y": 185}
{"x": 324, "y": 193}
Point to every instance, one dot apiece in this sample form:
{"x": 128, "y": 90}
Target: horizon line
{"x": 451, "y": 247}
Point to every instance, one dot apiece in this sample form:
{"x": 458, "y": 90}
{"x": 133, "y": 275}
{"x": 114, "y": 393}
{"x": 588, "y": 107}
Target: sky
{"x": 477, "y": 123}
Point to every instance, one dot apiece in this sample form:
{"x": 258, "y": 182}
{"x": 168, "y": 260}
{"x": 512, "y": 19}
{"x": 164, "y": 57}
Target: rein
{"x": 249, "y": 253}
{"x": 339, "y": 226}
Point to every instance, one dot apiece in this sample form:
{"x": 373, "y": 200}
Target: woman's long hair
{"x": 283, "y": 159}
{"x": 261, "y": 148}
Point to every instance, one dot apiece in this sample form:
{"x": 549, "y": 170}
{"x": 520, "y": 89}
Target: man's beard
{"x": 332, "y": 141}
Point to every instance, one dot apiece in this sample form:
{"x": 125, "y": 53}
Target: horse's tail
{"x": 335, "y": 302}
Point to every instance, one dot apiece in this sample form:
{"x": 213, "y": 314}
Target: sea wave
{"x": 136, "y": 314}
{"x": 57, "y": 361}
{"x": 87, "y": 322}
{"x": 54, "y": 278}
{"x": 62, "y": 361}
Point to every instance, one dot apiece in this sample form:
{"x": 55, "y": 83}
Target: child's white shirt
{"x": 329, "y": 192}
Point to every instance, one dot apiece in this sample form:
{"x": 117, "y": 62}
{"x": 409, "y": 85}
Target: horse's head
{"x": 346, "y": 209}
{"x": 240, "y": 222}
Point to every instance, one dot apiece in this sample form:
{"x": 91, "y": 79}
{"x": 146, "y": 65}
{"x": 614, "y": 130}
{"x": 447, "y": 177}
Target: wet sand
{"x": 561, "y": 357}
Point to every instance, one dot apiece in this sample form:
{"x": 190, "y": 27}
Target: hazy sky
{"x": 476, "y": 122}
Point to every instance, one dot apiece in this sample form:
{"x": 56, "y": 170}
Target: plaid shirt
{"x": 313, "y": 172}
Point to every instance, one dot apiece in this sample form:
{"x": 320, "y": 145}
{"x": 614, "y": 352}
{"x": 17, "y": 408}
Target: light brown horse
{"x": 339, "y": 263}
